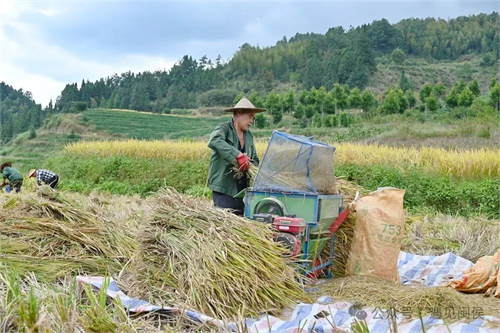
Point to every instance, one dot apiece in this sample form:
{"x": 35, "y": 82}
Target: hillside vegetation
{"x": 359, "y": 57}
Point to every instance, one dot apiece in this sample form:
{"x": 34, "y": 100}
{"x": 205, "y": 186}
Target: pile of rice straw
{"x": 192, "y": 254}
{"x": 377, "y": 293}
{"x": 54, "y": 236}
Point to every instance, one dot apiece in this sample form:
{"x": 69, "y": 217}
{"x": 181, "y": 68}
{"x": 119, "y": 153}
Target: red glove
{"x": 3, "y": 184}
{"x": 244, "y": 162}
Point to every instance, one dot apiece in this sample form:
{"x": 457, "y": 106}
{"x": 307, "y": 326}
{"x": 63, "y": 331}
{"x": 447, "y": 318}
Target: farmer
{"x": 232, "y": 143}
{"x": 12, "y": 175}
{"x": 44, "y": 177}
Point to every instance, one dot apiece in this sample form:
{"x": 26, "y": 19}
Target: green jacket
{"x": 11, "y": 174}
{"x": 224, "y": 145}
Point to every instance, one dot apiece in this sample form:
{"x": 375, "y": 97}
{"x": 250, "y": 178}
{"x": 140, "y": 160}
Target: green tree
{"x": 339, "y": 96}
{"x": 289, "y": 101}
{"x": 304, "y": 97}
{"x": 398, "y": 56}
{"x": 317, "y": 120}
{"x": 493, "y": 82}
{"x": 354, "y": 100}
{"x": 495, "y": 96}
{"x": 309, "y": 112}
{"x": 80, "y": 106}
{"x": 394, "y": 101}
{"x": 329, "y": 104}
{"x": 260, "y": 120}
{"x": 452, "y": 97}
{"x": 474, "y": 87}
{"x": 320, "y": 97}
{"x": 346, "y": 119}
{"x": 93, "y": 103}
{"x": 218, "y": 97}
{"x": 299, "y": 112}
{"x": 460, "y": 86}
{"x": 328, "y": 121}
{"x": 367, "y": 101}
{"x": 425, "y": 92}
{"x": 427, "y": 49}
{"x": 32, "y": 132}
{"x": 410, "y": 97}
{"x": 256, "y": 100}
{"x": 440, "y": 89}
{"x": 431, "y": 102}
{"x": 274, "y": 105}
{"x": 404, "y": 84}
{"x": 466, "y": 97}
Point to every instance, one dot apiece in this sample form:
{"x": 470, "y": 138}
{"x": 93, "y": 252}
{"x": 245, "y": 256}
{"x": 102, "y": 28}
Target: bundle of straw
{"x": 367, "y": 291}
{"x": 48, "y": 233}
{"x": 251, "y": 173}
{"x": 195, "y": 255}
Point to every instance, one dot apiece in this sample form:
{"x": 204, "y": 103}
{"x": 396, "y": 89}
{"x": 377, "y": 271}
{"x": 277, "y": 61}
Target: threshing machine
{"x": 295, "y": 191}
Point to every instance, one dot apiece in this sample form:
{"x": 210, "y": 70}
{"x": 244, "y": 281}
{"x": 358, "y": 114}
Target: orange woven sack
{"x": 378, "y": 234}
{"x": 482, "y": 277}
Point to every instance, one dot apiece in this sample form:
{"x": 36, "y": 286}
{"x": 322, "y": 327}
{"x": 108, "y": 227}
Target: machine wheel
{"x": 316, "y": 274}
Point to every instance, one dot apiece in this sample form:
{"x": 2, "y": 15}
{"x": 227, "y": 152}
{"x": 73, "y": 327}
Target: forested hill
{"x": 18, "y": 111}
{"x": 302, "y": 62}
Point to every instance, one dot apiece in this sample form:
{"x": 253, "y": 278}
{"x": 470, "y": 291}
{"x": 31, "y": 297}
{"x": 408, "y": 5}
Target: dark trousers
{"x": 226, "y": 201}
{"x": 15, "y": 185}
{"x": 52, "y": 182}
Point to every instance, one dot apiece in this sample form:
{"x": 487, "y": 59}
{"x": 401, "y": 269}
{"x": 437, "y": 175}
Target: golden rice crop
{"x": 156, "y": 149}
{"x": 475, "y": 163}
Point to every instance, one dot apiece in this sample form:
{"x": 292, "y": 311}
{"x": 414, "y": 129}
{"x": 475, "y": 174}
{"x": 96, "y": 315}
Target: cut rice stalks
{"x": 48, "y": 227}
{"x": 205, "y": 258}
{"x": 385, "y": 295}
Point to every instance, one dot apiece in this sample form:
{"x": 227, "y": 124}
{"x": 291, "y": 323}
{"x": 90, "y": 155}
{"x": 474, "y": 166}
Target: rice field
{"x": 458, "y": 164}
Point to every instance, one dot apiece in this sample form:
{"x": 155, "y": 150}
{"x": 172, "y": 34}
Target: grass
{"x": 139, "y": 125}
{"x": 427, "y": 191}
{"x": 26, "y": 154}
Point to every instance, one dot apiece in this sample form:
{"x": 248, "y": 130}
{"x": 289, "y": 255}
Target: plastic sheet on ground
{"x": 326, "y": 315}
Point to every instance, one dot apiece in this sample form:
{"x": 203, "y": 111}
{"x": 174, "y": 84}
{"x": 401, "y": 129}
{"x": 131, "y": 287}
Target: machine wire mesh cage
{"x": 296, "y": 164}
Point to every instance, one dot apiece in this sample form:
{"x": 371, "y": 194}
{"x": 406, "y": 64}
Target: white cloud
{"x": 254, "y": 28}
{"x": 43, "y": 88}
{"x": 29, "y": 62}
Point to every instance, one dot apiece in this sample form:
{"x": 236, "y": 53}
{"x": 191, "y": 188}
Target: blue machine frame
{"x": 310, "y": 225}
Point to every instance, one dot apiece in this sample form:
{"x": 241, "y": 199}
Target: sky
{"x": 46, "y": 44}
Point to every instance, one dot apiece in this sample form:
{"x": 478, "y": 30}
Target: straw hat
{"x": 31, "y": 173}
{"x": 245, "y": 105}
{"x": 5, "y": 164}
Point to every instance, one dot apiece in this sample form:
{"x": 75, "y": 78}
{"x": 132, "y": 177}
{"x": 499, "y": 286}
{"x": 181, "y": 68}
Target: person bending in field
{"x": 44, "y": 177}
{"x": 12, "y": 175}
{"x": 232, "y": 142}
